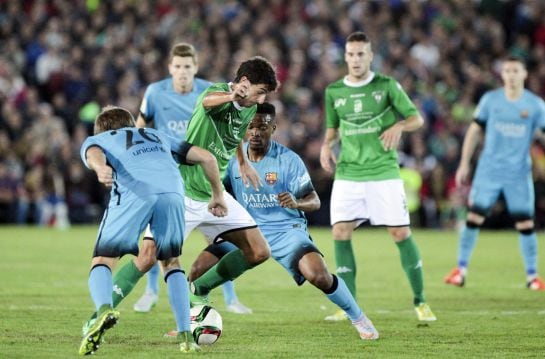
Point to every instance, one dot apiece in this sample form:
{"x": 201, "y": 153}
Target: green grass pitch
{"x": 44, "y": 301}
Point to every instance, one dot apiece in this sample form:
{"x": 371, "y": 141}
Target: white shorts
{"x": 197, "y": 216}
{"x": 382, "y": 203}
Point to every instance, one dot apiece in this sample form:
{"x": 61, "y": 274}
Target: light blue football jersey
{"x": 142, "y": 161}
{"x": 169, "y": 110}
{"x": 281, "y": 170}
{"x": 509, "y": 130}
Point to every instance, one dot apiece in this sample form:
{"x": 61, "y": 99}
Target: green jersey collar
{"x": 359, "y": 83}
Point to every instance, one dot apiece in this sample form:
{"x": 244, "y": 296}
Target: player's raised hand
{"x": 286, "y": 200}
{"x": 391, "y": 137}
{"x": 462, "y": 175}
{"x": 105, "y": 175}
{"x": 327, "y": 157}
{"x": 241, "y": 90}
{"x": 217, "y": 206}
{"x": 249, "y": 176}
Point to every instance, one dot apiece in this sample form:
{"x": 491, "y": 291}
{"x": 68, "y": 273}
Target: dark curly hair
{"x": 258, "y": 70}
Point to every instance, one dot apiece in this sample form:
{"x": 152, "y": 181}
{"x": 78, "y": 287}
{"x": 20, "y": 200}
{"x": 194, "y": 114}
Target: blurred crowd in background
{"x": 62, "y": 60}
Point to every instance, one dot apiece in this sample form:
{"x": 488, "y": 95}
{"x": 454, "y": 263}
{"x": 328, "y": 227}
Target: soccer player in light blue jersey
{"x": 146, "y": 189}
{"x": 508, "y": 117}
{"x": 167, "y": 106}
{"x": 278, "y": 209}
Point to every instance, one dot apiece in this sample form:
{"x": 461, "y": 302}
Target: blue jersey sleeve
{"x": 299, "y": 182}
{"x": 540, "y": 123}
{"x": 146, "y": 107}
{"x": 482, "y": 111}
{"x": 89, "y": 142}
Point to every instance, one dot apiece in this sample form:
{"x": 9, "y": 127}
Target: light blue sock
{"x": 528, "y": 248}
{"x": 344, "y": 299}
{"x": 178, "y": 297}
{"x": 101, "y": 285}
{"x": 468, "y": 238}
{"x": 229, "y": 294}
{"x": 153, "y": 279}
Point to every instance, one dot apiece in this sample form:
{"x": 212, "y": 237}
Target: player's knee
{"x": 474, "y": 220}
{"x": 197, "y": 269}
{"x": 399, "y": 233}
{"x": 145, "y": 260}
{"x": 472, "y": 224}
{"x": 524, "y": 223}
{"x": 320, "y": 279}
{"x": 341, "y": 231}
{"x": 259, "y": 254}
{"x": 525, "y": 227}
{"x": 169, "y": 264}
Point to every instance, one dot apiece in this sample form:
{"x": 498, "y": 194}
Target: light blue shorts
{"x": 288, "y": 247}
{"x": 519, "y": 196}
{"x": 122, "y": 225}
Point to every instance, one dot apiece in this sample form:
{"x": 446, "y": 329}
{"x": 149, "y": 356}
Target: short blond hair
{"x": 183, "y": 49}
{"x": 113, "y": 118}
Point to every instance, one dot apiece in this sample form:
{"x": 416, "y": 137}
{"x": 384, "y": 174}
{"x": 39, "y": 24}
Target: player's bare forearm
{"x": 247, "y": 171}
{"x": 214, "y": 99}
{"x": 471, "y": 140}
{"x": 96, "y": 159}
{"x": 411, "y": 123}
{"x": 309, "y": 203}
{"x": 209, "y": 165}
{"x": 331, "y": 137}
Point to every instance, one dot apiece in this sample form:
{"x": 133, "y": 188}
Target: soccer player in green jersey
{"x": 167, "y": 106}
{"x": 219, "y": 122}
{"x": 361, "y": 113}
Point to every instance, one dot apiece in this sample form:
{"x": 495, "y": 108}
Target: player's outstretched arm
{"x": 309, "y": 203}
{"x": 240, "y": 91}
{"x": 96, "y": 159}
{"x": 326, "y": 153}
{"x": 471, "y": 140}
{"x": 207, "y": 161}
{"x": 248, "y": 174}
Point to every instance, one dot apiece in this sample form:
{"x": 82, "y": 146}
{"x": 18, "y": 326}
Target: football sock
{"x": 346, "y": 264}
{"x": 153, "y": 279}
{"x": 124, "y": 281}
{"x": 412, "y": 265}
{"x": 229, "y": 294}
{"x": 528, "y": 248}
{"x": 178, "y": 297}
{"x": 100, "y": 285}
{"x": 229, "y": 267}
{"x": 340, "y": 295}
{"x": 468, "y": 238}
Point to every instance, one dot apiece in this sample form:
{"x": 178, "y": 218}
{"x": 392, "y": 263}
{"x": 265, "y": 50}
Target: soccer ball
{"x": 206, "y": 324}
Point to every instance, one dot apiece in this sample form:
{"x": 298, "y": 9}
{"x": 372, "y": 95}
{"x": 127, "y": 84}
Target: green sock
{"x": 346, "y": 264}
{"x": 103, "y": 308}
{"x": 412, "y": 265}
{"x": 124, "y": 281}
{"x": 228, "y": 268}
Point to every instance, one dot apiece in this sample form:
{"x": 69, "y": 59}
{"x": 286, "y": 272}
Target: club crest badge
{"x": 524, "y": 114}
{"x": 271, "y": 177}
{"x": 377, "y": 95}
